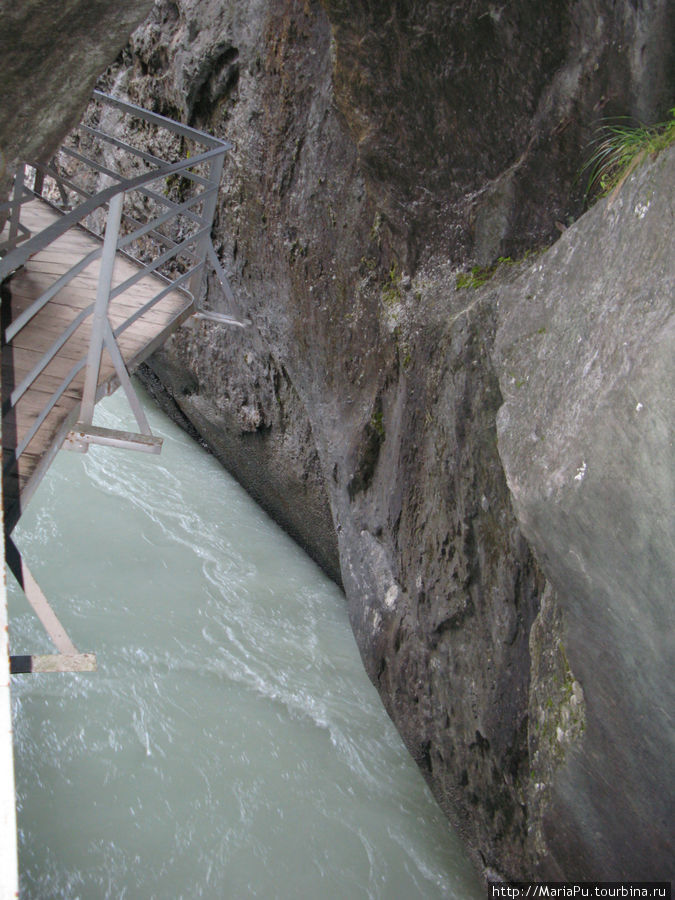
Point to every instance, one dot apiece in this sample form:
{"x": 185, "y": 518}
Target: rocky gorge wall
{"x": 487, "y": 469}
{"x": 584, "y": 351}
{"x": 378, "y": 148}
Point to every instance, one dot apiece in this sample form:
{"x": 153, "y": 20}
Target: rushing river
{"x": 230, "y": 744}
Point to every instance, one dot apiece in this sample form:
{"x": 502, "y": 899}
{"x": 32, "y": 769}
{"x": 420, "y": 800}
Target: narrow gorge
{"x": 455, "y": 387}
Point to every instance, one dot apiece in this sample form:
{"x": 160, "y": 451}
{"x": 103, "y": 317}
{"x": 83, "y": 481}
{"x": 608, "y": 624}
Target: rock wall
{"x": 378, "y": 147}
{"x": 469, "y": 117}
{"x": 586, "y": 366}
{"x": 507, "y": 594}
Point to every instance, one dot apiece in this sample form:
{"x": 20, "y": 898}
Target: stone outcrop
{"x": 469, "y": 117}
{"x": 50, "y": 57}
{"x": 472, "y": 455}
{"x": 586, "y": 368}
{"x": 255, "y": 425}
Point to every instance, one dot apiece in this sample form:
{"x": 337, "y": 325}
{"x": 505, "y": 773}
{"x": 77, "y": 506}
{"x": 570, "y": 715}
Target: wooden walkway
{"x": 136, "y": 343}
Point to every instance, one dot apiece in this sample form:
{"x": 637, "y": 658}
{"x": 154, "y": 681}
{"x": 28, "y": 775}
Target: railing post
{"x": 16, "y": 208}
{"x": 38, "y": 182}
{"x": 112, "y": 231}
{"x": 208, "y": 215}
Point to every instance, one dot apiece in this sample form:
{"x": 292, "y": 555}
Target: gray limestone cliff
{"x": 586, "y": 361}
{"x": 488, "y": 470}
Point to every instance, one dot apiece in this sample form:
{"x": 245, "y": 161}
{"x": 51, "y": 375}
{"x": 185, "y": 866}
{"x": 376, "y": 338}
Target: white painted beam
{"x": 9, "y": 868}
{"x": 219, "y": 317}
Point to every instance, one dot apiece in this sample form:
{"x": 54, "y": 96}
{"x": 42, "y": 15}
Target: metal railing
{"x": 164, "y": 197}
{"x": 149, "y": 187}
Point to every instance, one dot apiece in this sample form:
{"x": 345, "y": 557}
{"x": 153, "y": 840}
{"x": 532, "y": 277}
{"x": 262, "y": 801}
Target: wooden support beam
{"x": 109, "y": 437}
{"x": 53, "y": 662}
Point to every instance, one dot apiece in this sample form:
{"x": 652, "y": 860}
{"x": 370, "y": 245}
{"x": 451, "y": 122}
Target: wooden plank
{"x": 44, "y": 330}
{"x": 29, "y": 285}
{"x": 33, "y": 402}
{"x": 24, "y": 467}
{"x": 38, "y": 336}
{"x": 41, "y": 440}
{"x": 121, "y": 307}
{"x": 48, "y": 384}
{"x": 48, "y": 268}
{"x": 40, "y": 278}
{"x": 22, "y": 359}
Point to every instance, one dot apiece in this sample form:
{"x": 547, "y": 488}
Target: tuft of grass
{"x": 619, "y": 149}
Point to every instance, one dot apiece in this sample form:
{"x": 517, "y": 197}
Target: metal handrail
{"x": 200, "y": 171}
{"x": 17, "y": 257}
{"x": 200, "y": 137}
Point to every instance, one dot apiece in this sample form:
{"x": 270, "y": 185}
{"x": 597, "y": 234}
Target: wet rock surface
{"x": 250, "y": 417}
{"x": 468, "y": 116}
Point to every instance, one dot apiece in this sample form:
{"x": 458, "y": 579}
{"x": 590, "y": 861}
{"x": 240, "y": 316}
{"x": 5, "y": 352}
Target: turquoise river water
{"x": 230, "y": 744}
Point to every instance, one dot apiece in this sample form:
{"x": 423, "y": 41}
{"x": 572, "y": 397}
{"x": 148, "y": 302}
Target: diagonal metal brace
{"x": 102, "y": 335}
{"x": 125, "y": 380}
{"x": 69, "y": 658}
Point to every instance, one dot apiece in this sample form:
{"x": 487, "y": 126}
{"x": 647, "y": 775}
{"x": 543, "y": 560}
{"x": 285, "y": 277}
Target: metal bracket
{"x": 84, "y": 432}
{"x": 221, "y": 318}
{"x": 54, "y": 662}
{"x": 109, "y": 437}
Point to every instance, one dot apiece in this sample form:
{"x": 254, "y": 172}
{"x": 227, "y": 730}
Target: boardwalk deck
{"x": 136, "y": 342}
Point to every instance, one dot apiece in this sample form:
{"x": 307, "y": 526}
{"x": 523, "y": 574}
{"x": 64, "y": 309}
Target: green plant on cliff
{"x": 480, "y": 275}
{"x": 619, "y": 149}
{"x": 475, "y": 278}
{"x": 391, "y": 290}
{"x": 377, "y": 423}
